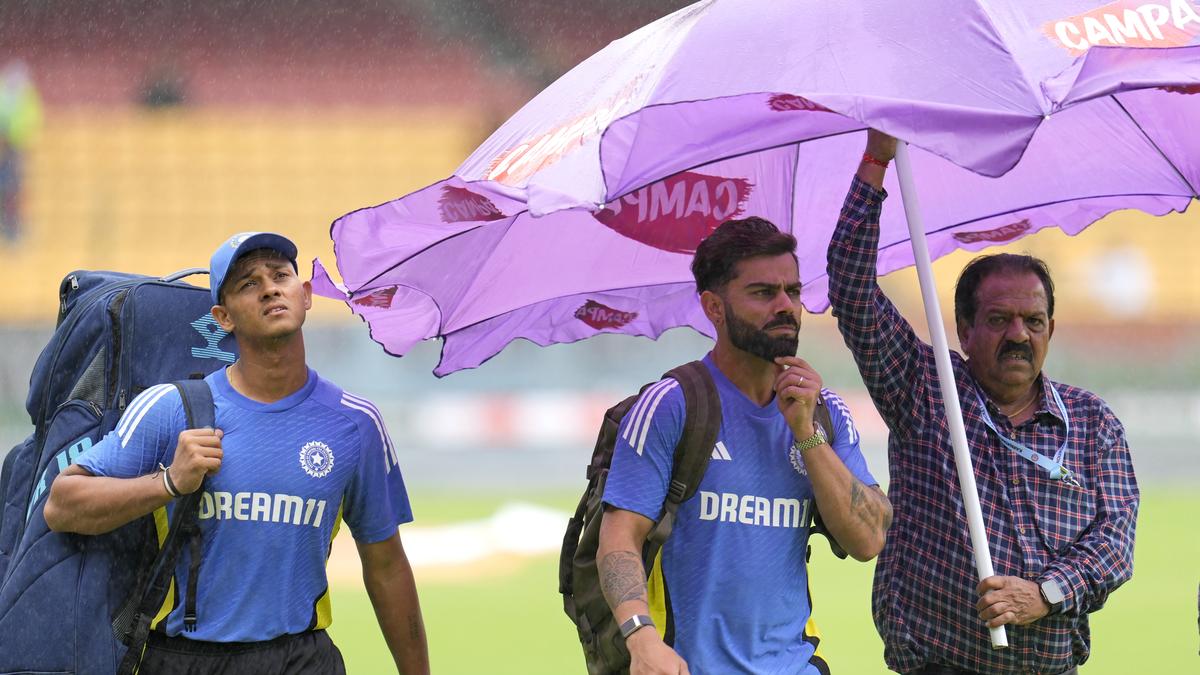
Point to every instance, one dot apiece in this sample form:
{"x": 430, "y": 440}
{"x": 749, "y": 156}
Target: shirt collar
{"x": 1045, "y": 406}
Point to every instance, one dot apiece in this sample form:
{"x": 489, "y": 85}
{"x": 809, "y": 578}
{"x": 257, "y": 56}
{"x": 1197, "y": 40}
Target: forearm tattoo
{"x": 416, "y": 626}
{"x": 868, "y": 506}
{"x": 622, "y": 578}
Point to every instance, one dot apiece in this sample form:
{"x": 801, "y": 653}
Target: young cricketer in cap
{"x": 292, "y": 457}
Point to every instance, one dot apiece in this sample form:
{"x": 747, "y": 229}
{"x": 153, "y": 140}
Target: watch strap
{"x": 633, "y": 623}
{"x": 813, "y": 441}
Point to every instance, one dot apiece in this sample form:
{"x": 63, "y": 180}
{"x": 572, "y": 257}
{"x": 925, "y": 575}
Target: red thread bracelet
{"x": 871, "y": 160}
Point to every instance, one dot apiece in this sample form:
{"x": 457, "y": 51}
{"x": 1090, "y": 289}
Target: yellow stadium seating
{"x": 154, "y": 191}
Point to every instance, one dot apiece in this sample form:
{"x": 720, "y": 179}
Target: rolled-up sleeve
{"x": 1102, "y": 558}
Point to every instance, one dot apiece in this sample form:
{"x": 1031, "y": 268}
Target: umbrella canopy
{"x": 581, "y": 213}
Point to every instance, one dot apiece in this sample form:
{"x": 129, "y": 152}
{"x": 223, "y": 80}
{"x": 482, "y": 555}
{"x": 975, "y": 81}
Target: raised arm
{"x": 891, "y": 358}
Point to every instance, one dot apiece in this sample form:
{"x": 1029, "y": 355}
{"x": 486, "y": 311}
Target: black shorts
{"x": 310, "y": 653}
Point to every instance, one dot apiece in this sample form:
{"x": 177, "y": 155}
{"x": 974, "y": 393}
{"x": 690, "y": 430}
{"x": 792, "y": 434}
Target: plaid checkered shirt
{"x": 1038, "y": 528}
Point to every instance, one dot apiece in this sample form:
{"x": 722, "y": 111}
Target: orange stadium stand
{"x": 243, "y": 52}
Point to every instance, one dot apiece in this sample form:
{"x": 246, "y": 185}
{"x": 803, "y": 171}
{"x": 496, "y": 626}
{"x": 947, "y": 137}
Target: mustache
{"x": 1018, "y": 349}
{"x": 786, "y": 320}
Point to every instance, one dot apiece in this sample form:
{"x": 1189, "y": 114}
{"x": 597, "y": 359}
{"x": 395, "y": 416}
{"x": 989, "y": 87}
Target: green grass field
{"x": 511, "y": 621}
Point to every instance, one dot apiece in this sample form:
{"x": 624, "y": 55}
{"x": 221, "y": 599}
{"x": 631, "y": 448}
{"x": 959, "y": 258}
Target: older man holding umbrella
{"x": 1055, "y": 478}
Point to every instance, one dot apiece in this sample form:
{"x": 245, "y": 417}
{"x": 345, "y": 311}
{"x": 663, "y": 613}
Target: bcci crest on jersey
{"x": 316, "y": 459}
{"x": 794, "y": 452}
{"x": 797, "y": 461}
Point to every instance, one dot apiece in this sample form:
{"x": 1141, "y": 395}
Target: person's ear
{"x": 223, "y": 318}
{"x": 714, "y": 307}
{"x": 307, "y": 295}
{"x": 964, "y": 332}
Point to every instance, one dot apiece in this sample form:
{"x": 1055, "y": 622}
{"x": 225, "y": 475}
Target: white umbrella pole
{"x": 958, "y": 434}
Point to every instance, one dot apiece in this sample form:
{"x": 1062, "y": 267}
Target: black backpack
{"x": 72, "y": 603}
{"x": 578, "y": 576}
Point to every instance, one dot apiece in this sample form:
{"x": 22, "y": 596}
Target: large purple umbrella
{"x": 723, "y": 109}
{"x": 581, "y": 213}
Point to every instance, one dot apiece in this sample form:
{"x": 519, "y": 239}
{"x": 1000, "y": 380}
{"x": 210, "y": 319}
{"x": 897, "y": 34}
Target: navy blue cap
{"x": 237, "y": 246}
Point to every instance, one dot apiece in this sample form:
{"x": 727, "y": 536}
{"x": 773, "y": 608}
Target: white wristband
{"x": 167, "y": 483}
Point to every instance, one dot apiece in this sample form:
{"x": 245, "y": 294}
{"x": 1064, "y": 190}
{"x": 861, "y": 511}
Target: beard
{"x": 757, "y": 341}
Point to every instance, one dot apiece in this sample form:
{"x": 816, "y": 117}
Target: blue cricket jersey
{"x": 732, "y": 575}
{"x": 292, "y": 471}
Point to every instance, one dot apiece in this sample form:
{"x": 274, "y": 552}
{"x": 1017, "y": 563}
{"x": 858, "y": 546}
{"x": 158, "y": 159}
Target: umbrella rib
{"x": 1049, "y": 203}
{"x": 522, "y": 212}
{"x": 1030, "y": 83}
{"x": 885, "y": 247}
{"x": 1195, "y": 194}
{"x": 792, "y": 197}
{"x": 436, "y": 243}
{"x": 337, "y": 258}
{"x": 536, "y": 302}
{"x": 901, "y": 242}
{"x": 725, "y": 158}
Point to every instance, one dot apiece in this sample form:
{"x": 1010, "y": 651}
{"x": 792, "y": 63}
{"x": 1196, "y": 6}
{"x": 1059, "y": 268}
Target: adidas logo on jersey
{"x": 721, "y": 452}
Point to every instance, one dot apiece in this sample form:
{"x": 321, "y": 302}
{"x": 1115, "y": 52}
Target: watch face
{"x": 1052, "y": 592}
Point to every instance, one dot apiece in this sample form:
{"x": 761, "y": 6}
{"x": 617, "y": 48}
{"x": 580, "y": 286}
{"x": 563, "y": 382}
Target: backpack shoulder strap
{"x": 197, "y": 403}
{"x": 133, "y": 627}
{"x": 201, "y": 413}
{"x": 577, "y": 558}
{"x": 702, "y": 423}
{"x": 823, "y": 418}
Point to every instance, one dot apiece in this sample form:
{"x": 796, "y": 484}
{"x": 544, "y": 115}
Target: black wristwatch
{"x": 1053, "y": 595}
{"x": 633, "y": 623}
